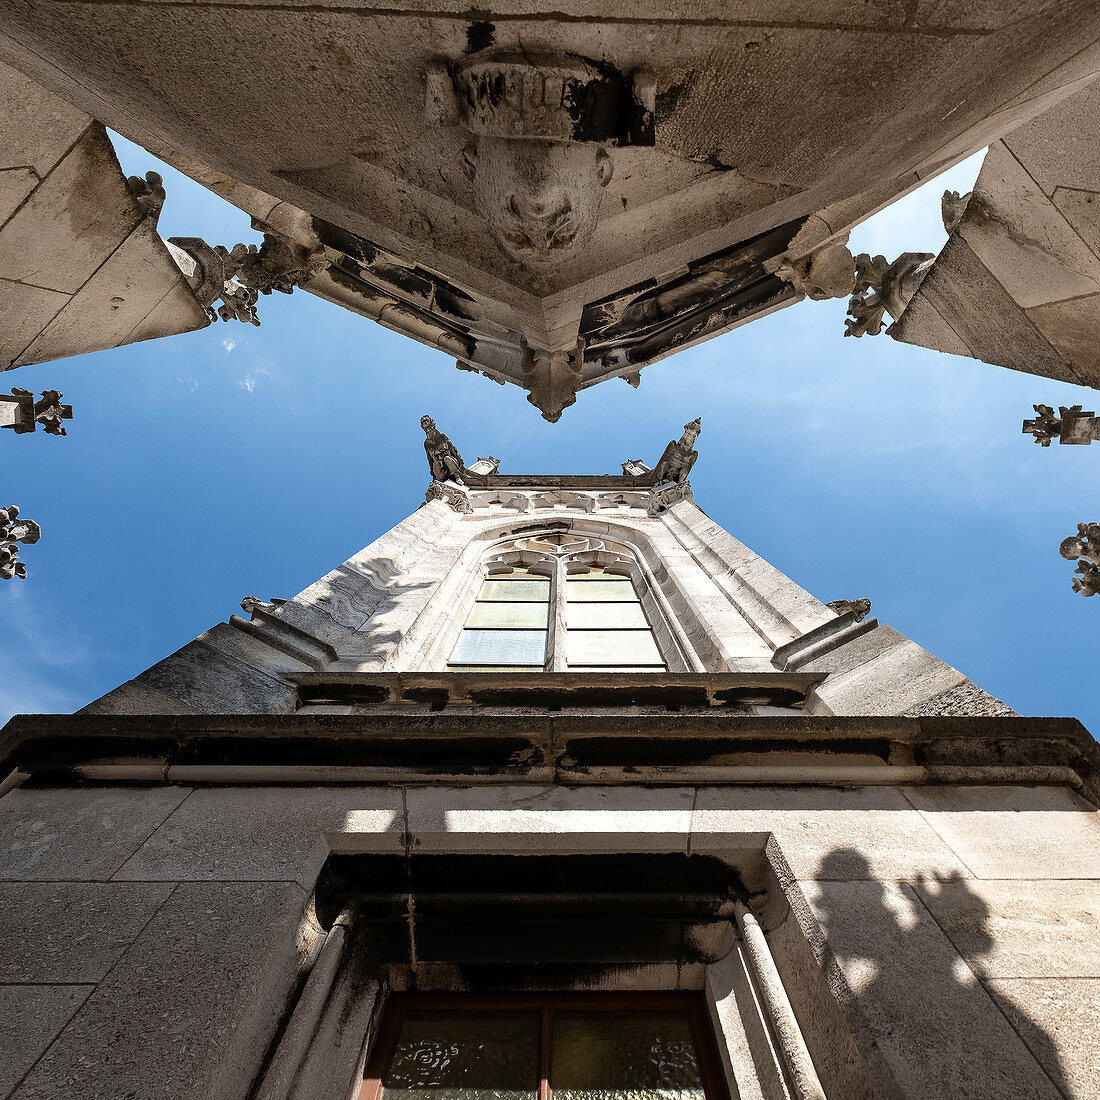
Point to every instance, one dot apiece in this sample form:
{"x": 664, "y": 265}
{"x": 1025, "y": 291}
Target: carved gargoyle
{"x": 861, "y": 608}
{"x": 679, "y": 457}
{"x": 14, "y": 530}
{"x": 148, "y": 193}
{"x": 827, "y": 272}
{"x": 239, "y": 275}
{"x": 539, "y": 127}
{"x": 1085, "y": 545}
{"x": 952, "y": 208}
{"x": 444, "y": 461}
{"x": 884, "y": 288}
{"x": 1072, "y": 425}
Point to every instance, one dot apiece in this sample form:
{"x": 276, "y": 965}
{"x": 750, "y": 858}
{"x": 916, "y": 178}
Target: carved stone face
{"x": 540, "y": 198}
{"x": 427, "y": 423}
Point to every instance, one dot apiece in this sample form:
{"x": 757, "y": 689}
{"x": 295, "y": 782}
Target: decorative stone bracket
{"x": 238, "y": 276}
{"x": 13, "y": 531}
{"x": 1071, "y": 425}
{"x": 665, "y": 496}
{"x": 21, "y": 412}
{"x": 884, "y": 288}
{"x": 1085, "y": 545}
{"x": 454, "y": 496}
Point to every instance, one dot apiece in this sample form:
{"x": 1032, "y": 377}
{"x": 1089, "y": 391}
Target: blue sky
{"x": 241, "y": 461}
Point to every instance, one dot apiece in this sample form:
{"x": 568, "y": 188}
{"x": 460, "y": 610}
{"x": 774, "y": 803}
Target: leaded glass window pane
{"x": 601, "y": 587}
{"x": 611, "y": 647}
{"x": 474, "y": 1055}
{"x": 516, "y": 615}
{"x": 500, "y": 647}
{"x": 511, "y": 590}
{"x": 606, "y": 616}
{"x": 624, "y": 1056}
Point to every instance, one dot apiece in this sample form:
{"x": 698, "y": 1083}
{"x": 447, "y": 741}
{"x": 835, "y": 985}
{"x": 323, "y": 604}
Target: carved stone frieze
{"x": 13, "y": 531}
{"x": 861, "y": 608}
{"x": 664, "y": 497}
{"x": 148, "y": 193}
{"x": 539, "y": 127}
{"x": 1072, "y": 425}
{"x": 239, "y": 275}
{"x": 678, "y": 458}
{"x": 21, "y": 412}
{"x": 454, "y": 496}
{"x": 884, "y": 288}
{"x": 1085, "y": 545}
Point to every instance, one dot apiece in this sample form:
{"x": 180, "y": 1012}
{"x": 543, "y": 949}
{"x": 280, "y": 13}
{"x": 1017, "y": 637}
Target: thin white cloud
{"x": 250, "y": 380}
{"x": 229, "y": 344}
{"x": 192, "y": 384}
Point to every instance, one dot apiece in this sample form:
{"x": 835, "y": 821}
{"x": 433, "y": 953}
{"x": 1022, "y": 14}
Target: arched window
{"x": 559, "y": 603}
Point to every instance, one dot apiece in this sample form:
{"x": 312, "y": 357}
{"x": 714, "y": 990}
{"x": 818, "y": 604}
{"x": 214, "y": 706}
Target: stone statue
{"x": 1086, "y": 546}
{"x": 1072, "y": 425}
{"x": 861, "y": 608}
{"x": 952, "y": 208}
{"x": 884, "y": 288}
{"x": 539, "y": 127}
{"x": 13, "y": 531}
{"x": 444, "y": 461}
{"x": 678, "y": 457}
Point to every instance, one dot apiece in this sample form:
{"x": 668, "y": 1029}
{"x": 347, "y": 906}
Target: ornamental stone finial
{"x": 14, "y": 530}
{"x": 239, "y": 275}
{"x": 1072, "y": 425}
{"x": 679, "y": 457}
{"x": 20, "y": 412}
{"x": 1085, "y": 545}
{"x": 884, "y": 288}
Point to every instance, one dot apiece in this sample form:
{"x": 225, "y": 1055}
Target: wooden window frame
{"x": 398, "y": 1005}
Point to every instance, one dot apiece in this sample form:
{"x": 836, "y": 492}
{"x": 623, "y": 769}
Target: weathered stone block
{"x": 261, "y": 833}
{"x": 1059, "y": 1019}
{"x": 941, "y": 1034}
{"x": 549, "y": 819}
{"x": 69, "y": 932}
{"x": 31, "y": 1016}
{"x": 1015, "y": 832}
{"x": 190, "y": 1008}
{"x": 1020, "y": 929}
{"x": 78, "y": 833}
{"x": 24, "y": 312}
{"x": 870, "y": 832}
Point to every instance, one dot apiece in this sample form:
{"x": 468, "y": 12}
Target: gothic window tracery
{"x": 559, "y": 602}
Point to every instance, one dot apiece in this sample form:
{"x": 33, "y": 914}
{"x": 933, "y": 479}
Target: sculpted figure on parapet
{"x": 679, "y": 457}
{"x": 444, "y": 461}
{"x": 1085, "y": 545}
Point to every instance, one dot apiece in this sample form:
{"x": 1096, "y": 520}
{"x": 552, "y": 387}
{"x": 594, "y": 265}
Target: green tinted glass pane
{"x": 611, "y": 647}
{"x": 500, "y": 647}
{"x": 508, "y": 614}
{"x": 605, "y": 588}
{"x": 526, "y": 589}
{"x": 465, "y": 1056}
{"x": 608, "y": 616}
{"x": 624, "y": 1056}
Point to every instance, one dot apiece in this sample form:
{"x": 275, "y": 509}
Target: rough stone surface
{"x": 1059, "y": 1019}
{"x": 967, "y": 699}
{"x": 830, "y": 834}
{"x": 78, "y": 833}
{"x": 941, "y": 1034}
{"x": 1015, "y": 832}
{"x": 261, "y": 833}
{"x": 30, "y": 1018}
{"x": 1020, "y": 929}
{"x": 69, "y": 932}
{"x": 190, "y": 1007}
{"x": 554, "y": 818}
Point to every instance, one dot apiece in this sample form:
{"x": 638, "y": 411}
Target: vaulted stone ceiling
{"x": 559, "y": 194}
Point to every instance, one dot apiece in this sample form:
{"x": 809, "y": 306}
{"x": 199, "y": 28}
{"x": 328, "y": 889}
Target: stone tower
{"x": 556, "y": 753}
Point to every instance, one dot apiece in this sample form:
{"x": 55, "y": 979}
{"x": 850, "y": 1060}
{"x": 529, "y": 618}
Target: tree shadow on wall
{"x": 913, "y": 956}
